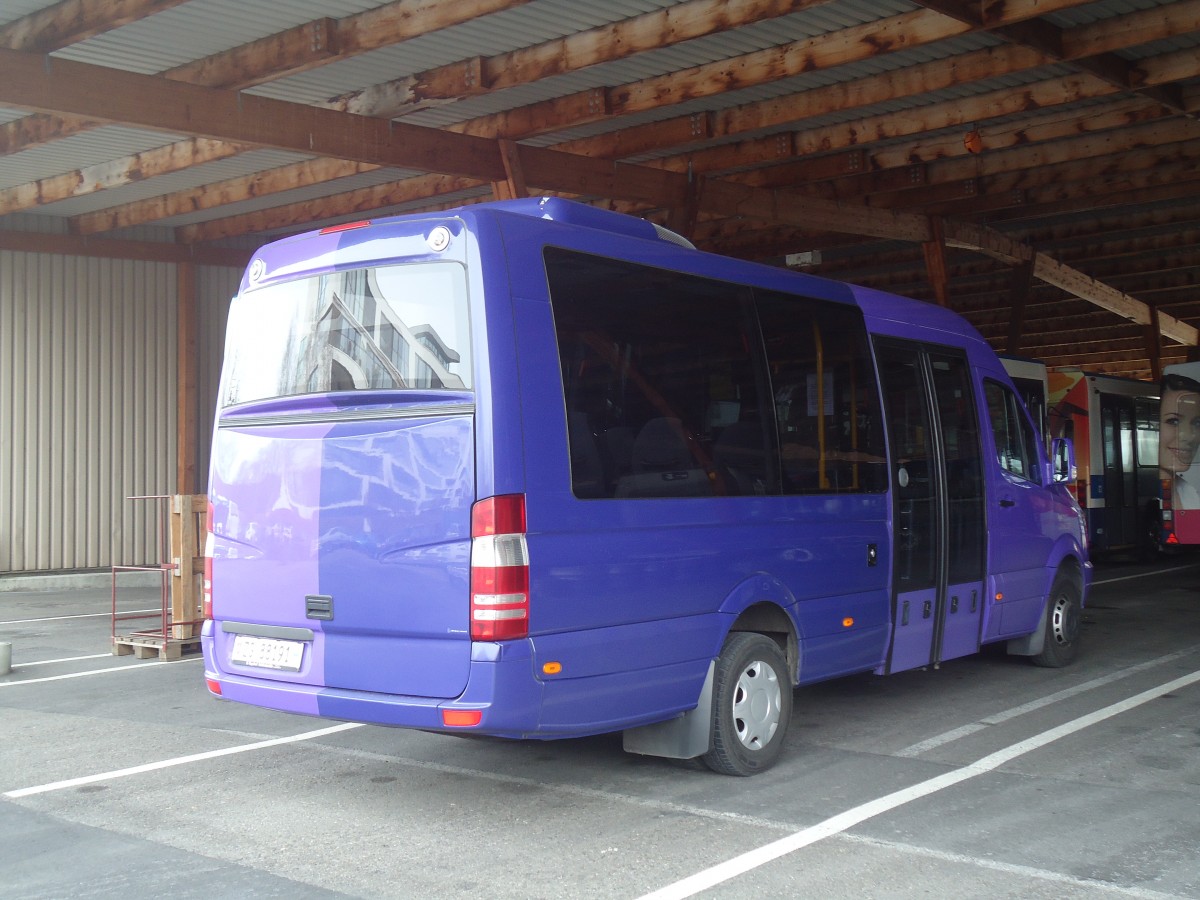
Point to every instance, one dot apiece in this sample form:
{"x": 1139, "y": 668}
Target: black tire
{"x": 1063, "y": 621}
{"x": 752, "y": 705}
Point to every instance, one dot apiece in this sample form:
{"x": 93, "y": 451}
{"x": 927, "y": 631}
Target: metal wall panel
{"x": 215, "y": 287}
{"x": 87, "y": 409}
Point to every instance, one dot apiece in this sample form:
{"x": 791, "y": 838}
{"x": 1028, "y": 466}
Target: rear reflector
{"x": 461, "y": 718}
{"x": 499, "y": 569}
{"x": 213, "y": 685}
{"x": 206, "y": 592}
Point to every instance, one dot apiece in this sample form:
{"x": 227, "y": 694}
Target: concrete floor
{"x": 987, "y": 777}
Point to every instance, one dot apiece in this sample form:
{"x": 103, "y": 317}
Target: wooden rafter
{"x": 59, "y": 85}
{"x": 71, "y": 21}
{"x": 1059, "y": 44}
{"x": 1139, "y": 26}
{"x": 297, "y": 49}
{"x": 619, "y": 40}
{"x": 883, "y": 175}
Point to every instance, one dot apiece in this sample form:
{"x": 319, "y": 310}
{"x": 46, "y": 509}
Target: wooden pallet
{"x": 150, "y": 646}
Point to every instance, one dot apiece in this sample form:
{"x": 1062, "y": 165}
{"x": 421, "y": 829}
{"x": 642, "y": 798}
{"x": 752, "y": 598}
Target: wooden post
{"x": 187, "y": 533}
{"x": 514, "y": 186}
{"x": 682, "y": 219}
{"x": 1154, "y": 345}
{"x": 935, "y": 260}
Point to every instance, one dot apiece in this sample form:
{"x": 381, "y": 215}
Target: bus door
{"x": 1120, "y": 515}
{"x": 938, "y": 513}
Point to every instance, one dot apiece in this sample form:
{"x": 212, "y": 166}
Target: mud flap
{"x": 1031, "y": 644}
{"x": 684, "y": 737}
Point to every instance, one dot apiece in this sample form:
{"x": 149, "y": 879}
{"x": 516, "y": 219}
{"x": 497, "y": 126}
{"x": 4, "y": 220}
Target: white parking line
{"x": 107, "y": 615}
{"x": 141, "y": 668}
{"x": 1013, "y": 712}
{"x": 739, "y": 865}
{"x": 178, "y": 761}
{"x": 1145, "y": 574}
{"x": 47, "y": 662}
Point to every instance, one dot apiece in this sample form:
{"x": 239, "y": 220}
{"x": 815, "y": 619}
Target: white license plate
{"x": 267, "y": 653}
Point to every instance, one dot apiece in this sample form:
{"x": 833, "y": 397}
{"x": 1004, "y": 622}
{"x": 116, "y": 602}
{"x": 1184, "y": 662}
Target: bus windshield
{"x": 401, "y": 327}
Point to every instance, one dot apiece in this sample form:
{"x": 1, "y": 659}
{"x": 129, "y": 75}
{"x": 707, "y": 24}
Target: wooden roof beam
{"x": 1083, "y": 53}
{"x": 174, "y": 157}
{"x": 559, "y": 113}
{"x": 993, "y": 243}
{"x": 606, "y": 43}
{"x": 109, "y": 248}
{"x": 297, "y": 49}
{"x": 71, "y": 21}
{"x": 53, "y": 28}
{"x": 57, "y": 85}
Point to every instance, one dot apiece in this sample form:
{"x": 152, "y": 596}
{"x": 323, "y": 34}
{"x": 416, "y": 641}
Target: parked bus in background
{"x": 1179, "y": 470}
{"x": 532, "y": 469}
{"x": 1114, "y": 425}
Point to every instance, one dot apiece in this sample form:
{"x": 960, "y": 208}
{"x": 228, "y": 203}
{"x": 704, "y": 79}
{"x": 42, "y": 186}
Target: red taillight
{"x": 1167, "y": 512}
{"x": 206, "y": 593}
{"x": 499, "y": 569}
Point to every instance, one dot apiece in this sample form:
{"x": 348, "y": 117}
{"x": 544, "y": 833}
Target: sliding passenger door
{"x": 938, "y": 516}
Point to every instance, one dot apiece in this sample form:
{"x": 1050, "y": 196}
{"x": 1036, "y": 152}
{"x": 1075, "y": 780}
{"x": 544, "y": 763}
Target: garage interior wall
{"x": 88, "y": 404}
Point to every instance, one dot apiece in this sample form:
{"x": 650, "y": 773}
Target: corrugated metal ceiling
{"x": 196, "y": 29}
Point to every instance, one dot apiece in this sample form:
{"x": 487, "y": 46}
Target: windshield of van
{"x": 398, "y": 327}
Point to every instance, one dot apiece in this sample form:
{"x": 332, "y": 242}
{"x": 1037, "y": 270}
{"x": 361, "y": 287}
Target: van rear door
{"x": 343, "y": 475}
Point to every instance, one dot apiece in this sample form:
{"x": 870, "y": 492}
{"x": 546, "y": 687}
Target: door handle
{"x": 1008, "y": 502}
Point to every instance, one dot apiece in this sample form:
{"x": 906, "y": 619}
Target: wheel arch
{"x": 1031, "y": 644}
{"x": 772, "y": 621}
{"x": 760, "y": 604}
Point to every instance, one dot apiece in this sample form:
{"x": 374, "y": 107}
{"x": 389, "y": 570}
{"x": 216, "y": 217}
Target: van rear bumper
{"x": 501, "y": 687}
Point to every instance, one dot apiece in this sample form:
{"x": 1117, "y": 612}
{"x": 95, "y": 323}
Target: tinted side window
{"x": 826, "y": 398}
{"x": 1146, "y": 412}
{"x": 663, "y": 396}
{"x": 1016, "y": 441}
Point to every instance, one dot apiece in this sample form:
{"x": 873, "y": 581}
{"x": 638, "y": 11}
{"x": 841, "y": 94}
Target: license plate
{"x": 267, "y": 653}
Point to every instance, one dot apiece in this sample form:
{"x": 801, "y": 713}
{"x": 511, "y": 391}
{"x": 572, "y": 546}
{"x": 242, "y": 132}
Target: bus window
{"x": 659, "y": 386}
{"x": 1016, "y": 442}
{"x": 825, "y": 396}
{"x": 387, "y": 328}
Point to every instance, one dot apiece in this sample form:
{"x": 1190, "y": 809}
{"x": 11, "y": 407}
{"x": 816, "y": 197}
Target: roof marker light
{"x": 345, "y": 226}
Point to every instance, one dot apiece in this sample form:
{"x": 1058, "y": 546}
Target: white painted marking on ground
{"x": 997, "y": 718}
{"x": 48, "y": 662}
{"x": 107, "y": 615}
{"x": 178, "y": 761}
{"x": 121, "y": 668}
{"x": 1146, "y": 574}
{"x": 1091, "y": 884}
{"x": 747, "y": 862}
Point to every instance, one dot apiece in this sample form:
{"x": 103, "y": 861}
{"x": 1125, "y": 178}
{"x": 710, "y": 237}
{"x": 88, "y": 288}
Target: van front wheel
{"x": 752, "y": 705}
{"x": 1063, "y": 620}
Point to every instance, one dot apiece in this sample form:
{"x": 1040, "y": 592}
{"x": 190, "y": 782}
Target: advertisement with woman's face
{"x": 1179, "y": 434}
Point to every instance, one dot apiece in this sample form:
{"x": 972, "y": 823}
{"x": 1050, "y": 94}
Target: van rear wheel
{"x": 1063, "y": 620}
{"x": 752, "y": 705}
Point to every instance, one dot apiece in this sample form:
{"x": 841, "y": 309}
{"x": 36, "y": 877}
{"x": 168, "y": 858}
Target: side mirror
{"x": 1062, "y": 460}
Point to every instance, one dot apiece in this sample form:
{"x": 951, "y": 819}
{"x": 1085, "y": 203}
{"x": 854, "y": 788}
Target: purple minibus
{"x": 535, "y": 470}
